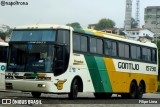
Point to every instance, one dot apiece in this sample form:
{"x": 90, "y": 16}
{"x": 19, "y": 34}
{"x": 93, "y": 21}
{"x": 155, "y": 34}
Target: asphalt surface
{"x": 84, "y": 99}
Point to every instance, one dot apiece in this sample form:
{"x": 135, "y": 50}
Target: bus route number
{"x": 150, "y": 68}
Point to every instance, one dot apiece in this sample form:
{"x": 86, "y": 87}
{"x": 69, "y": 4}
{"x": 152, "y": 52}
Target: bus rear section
{"x": 3, "y": 61}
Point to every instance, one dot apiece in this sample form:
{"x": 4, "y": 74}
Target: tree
{"x": 5, "y": 33}
{"x": 105, "y": 23}
{"x": 134, "y": 24}
{"x": 74, "y": 25}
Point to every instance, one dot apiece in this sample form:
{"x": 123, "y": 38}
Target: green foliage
{"x": 105, "y": 23}
{"x": 4, "y": 34}
{"x": 74, "y": 25}
{"x": 133, "y": 23}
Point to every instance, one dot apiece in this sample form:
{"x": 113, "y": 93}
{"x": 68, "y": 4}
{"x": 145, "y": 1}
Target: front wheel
{"x": 74, "y": 90}
{"x": 36, "y": 94}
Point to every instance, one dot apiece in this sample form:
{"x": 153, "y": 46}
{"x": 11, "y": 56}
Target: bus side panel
{"x": 119, "y": 80}
{"x": 2, "y": 76}
{"x": 98, "y": 74}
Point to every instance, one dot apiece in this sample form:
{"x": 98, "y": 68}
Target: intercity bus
{"x": 3, "y": 60}
{"x": 61, "y": 60}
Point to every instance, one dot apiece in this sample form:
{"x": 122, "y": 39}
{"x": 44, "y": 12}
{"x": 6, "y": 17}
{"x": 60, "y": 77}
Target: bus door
{"x": 61, "y": 59}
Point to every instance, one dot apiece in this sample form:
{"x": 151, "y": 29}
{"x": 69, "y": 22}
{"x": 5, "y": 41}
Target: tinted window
{"x": 76, "y": 42}
{"x": 154, "y": 55}
{"x": 121, "y": 49}
{"x": 133, "y": 52}
{"x": 149, "y": 54}
{"x": 3, "y": 53}
{"x": 126, "y": 51}
{"x": 83, "y": 43}
{"x": 114, "y": 49}
{"x": 138, "y": 53}
{"x": 144, "y": 54}
{"x": 108, "y": 47}
{"x": 33, "y": 35}
{"x": 93, "y": 45}
{"x": 99, "y": 46}
{"x": 63, "y": 36}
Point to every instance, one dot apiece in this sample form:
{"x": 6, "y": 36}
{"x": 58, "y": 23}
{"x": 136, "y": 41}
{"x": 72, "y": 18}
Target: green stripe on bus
{"x": 98, "y": 74}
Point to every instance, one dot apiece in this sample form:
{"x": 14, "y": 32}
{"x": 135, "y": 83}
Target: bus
{"x": 59, "y": 59}
{"x": 3, "y": 61}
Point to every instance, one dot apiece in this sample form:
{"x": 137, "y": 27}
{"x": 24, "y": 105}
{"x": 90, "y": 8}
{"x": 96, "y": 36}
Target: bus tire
{"x": 36, "y": 94}
{"x": 140, "y": 91}
{"x": 102, "y": 95}
{"x": 74, "y": 90}
{"x": 133, "y": 90}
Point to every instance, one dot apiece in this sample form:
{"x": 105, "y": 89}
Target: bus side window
{"x": 63, "y": 36}
{"x": 3, "y": 54}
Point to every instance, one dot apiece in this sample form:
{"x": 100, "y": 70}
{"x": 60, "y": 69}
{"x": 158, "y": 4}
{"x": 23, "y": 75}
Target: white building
{"x": 136, "y": 33}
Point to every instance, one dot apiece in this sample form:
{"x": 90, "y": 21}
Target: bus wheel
{"x": 102, "y": 95}
{"x": 133, "y": 90}
{"x": 36, "y": 94}
{"x": 74, "y": 90}
{"x": 140, "y": 91}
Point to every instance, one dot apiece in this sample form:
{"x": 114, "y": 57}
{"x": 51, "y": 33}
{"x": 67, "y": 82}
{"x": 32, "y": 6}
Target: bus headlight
{"x": 41, "y": 85}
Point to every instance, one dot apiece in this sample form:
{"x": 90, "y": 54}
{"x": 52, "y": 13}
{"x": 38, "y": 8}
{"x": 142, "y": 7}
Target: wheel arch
{"x": 144, "y": 85}
{"x": 80, "y": 83}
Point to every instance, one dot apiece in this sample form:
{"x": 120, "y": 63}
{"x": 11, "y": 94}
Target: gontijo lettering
{"x": 129, "y": 66}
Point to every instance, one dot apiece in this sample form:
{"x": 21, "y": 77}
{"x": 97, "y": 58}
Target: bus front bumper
{"x": 30, "y": 85}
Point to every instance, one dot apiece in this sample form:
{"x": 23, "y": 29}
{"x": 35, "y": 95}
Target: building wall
{"x": 139, "y": 33}
{"x": 152, "y": 19}
{"x": 128, "y": 14}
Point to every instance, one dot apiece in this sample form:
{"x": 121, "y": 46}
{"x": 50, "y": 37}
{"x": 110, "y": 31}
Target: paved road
{"x": 87, "y": 99}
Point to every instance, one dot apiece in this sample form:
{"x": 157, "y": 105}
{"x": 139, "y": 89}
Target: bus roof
{"x": 87, "y": 31}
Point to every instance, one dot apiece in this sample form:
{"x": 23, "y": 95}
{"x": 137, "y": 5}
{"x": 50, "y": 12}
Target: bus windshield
{"x": 31, "y": 58}
{"x": 33, "y": 35}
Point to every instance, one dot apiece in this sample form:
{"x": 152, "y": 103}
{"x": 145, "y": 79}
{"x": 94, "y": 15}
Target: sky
{"x": 67, "y": 11}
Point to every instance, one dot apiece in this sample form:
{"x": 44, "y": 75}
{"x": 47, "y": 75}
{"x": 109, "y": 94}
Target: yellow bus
{"x": 58, "y": 59}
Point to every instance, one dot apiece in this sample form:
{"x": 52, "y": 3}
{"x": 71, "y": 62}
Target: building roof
{"x": 111, "y": 29}
{"x": 92, "y": 24}
{"x": 153, "y": 7}
{"x": 135, "y": 29}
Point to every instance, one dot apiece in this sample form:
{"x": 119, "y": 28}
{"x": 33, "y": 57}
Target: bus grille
{"x": 9, "y": 86}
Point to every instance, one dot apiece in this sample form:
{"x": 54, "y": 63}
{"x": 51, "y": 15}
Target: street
{"x": 83, "y": 98}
